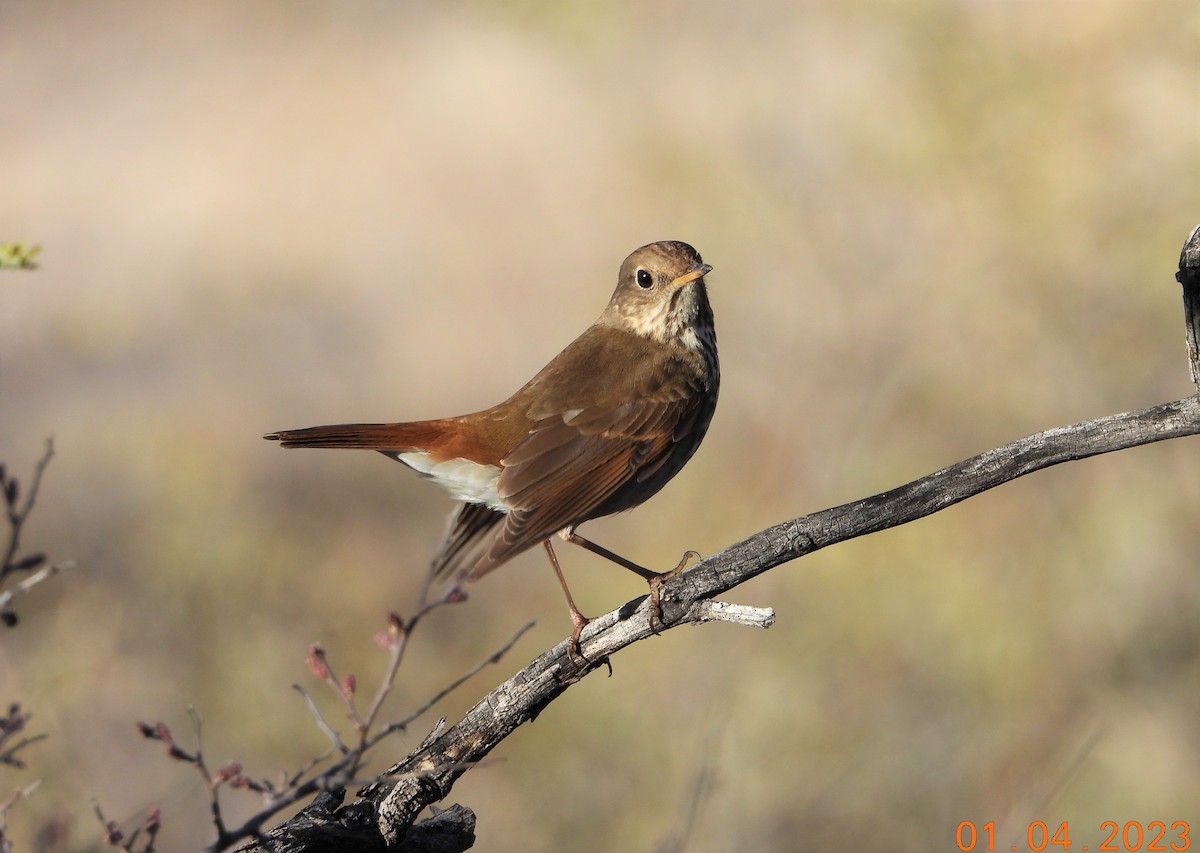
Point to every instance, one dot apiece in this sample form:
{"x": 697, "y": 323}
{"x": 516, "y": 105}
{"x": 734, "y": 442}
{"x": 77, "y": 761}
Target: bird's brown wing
{"x": 468, "y": 535}
{"x": 578, "y": 465}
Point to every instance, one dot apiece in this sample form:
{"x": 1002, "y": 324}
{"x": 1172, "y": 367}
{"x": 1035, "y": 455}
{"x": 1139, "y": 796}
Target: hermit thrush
{"x": 600, "y": 429}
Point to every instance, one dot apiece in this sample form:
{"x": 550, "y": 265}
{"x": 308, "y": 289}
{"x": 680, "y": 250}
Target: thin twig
{"x": 42, "y": 574}
{"x": 198, "y": 759}
{"x": 452, "y": 595}
{"x": 494, "y": 658}
{"x": 341, "y": 773}
{"x": 395, "y": 657}
{"x": 11, "y": 724}
{"x": 330, "y": 778}
{"x": 19, "y": 794}
{"x": 18, "y": 514}
{"x": 318, "y": 664}
{"x": 9, "y": 756}
{"x": 703, "y": 781}
{"x": 328, "y": 730}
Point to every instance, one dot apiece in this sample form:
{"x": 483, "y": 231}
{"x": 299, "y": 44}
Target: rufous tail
{"x": 419, "y": 434}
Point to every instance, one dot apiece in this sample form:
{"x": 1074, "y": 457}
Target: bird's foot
{"x": 580, "y": 622}
{"x": 656, "y": 582}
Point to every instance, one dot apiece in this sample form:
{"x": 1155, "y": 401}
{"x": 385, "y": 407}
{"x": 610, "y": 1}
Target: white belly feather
{"x": 465, "y": 480}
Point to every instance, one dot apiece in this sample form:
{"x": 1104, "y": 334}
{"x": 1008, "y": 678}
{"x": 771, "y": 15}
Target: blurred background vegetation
{"x": 936, "y": 226}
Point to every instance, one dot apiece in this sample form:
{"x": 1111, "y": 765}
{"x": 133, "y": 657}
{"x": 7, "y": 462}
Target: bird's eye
{"x": 644, "y": 279}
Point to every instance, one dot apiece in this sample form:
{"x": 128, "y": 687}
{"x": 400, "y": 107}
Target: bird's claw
{"x": 573, "y": 650}
{"x": 656, "y": 582}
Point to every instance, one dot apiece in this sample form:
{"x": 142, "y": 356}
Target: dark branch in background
{"x": 16, "y": 513}
{"x": 328, "y": 775}
{"x": 12, "y": 724}
{"x": 146, "y": 834}
{"x": 385, "y": 812}
{"x": 14, "y": 564}
{"x": 6, "y": 804}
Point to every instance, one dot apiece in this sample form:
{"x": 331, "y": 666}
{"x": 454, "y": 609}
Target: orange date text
{"x": 1111, "y": 835}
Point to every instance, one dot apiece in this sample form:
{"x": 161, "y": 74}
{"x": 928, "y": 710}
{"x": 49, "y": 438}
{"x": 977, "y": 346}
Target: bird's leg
{"x": 654, "y": 579}
{"x": 577, "y": 618}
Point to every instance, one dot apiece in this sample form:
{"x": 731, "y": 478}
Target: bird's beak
{"x": 696, "y": 271}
